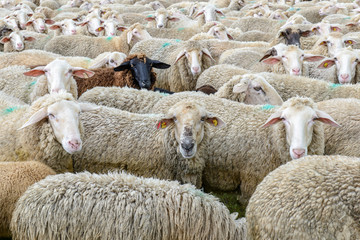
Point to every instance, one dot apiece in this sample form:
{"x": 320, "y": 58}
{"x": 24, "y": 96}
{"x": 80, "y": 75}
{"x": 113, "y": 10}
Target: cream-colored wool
{"x": 242, "y": 154}
{"x": 252, "y": 23}
{"x": 78, "y": 45}
{"x": 149, "y": 151}
{"x": 120, "y": 206}
{"x": 15, "y": 178}
{"x": 39, "y": 42}
{"x": 35, "y": 142}
{"x": 315, "y": 197}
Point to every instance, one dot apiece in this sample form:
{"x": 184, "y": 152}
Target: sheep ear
{"x": 163, "y": 123}
{"x": 180, "y": 55}
{"x": 38, "y": 71}
{"x": 229, "y": 36}
{"x": 306, "y": 33}
{"x": 271, "y": 60}
{"x": 36, "y": 117}
{"x": 323, "y": 43}
{"x": 240, "y": 88}
{"x": 150, "y": 18}
{"x": 335, "y": 29}
{"x": 274, "y": 118}
{"x": 351, "y": 42}
{"x": 326, "y": 64}
{"x": 199, "y": 13}
{"x": 160, "y": 65}
{"x": 270, "y": 52}
{"x": 83, "y": 23}
{"x": 4, "y": 40}
{"x": 30, "y": 14}
{"x": 326, "y": 118}
{"x": 54, "y": 27}
{"x": 49, "y": 21}
{"x": 207, "y": 53}
{"x": 174, "y": 19}
{"x": 312, "y": 58}
{"x": 219, "y": 12}
{"x": 99, "y": 29}
{"x": 29, "y": 39}
{"x": 121, "y": 28}
{"x": 87, "y": 107}
{"x": 28, "y": 23}
{"x": 82, "y": 72}
{"x": 215, "y": 121}
{"x": 123, "y": 66}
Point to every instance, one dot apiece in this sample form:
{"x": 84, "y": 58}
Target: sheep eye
{"x": 70, "y": 71}
{"x": 202, "y": 119}
{"x": 175, "y": 119}
{"x": 51, "y": 116}
{"x": 111, "y": 60}
{"x": 356, "y": 60}
{"x": 257, "y": 88}
{"x": 335, "y": 59}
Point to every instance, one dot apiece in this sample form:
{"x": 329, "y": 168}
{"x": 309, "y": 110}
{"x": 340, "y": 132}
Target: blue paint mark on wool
{"x": 9, "y": 110}
{"x": 149, "y": 16}
{"x": 347, "y": 17}
{"x": 59, "y": 9}
{"x": 281, "y": 20}
{"x": 32, "y": 83}
{"x": 334, "y": 85}
{"x": 177, "y": 40}
{"x": 109, "y": 38}
{"x": 180, "y": 29}
{"x": 222, "y": 17}
{"x": 291, "y": 9}
{"x": 182, "y": 9}
{"x": 267, "y": 107}
{"x": 166, "y": 44}
{"x": 298, "y": 9}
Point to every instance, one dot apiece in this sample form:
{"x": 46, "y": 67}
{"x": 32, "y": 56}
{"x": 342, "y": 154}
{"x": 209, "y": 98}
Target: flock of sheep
{"x": 116, "y": 114}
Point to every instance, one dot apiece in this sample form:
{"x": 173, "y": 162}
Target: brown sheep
{"x": 135, "y": 72}
{"x": 15, "y": 178}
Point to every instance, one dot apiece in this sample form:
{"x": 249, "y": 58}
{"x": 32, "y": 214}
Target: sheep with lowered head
{"x": 315, "y": 197}
{"x": 15, "y": 178}
{"x": 91, "y": 47}
{"x": 172, "y": 145}
{"x": 234, "y": 160}
{"x": 120, "y": 206}
{"x": 48, "y": 131}
{"x": 136, "y": 71}
{"x": 108, "y": 60}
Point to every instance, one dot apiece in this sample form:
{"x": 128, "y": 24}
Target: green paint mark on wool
{"x": 32, "y": 83}
{"x": 182, "y": 9}
{"x": 347, "y": 17}
{"x": 291, "y": 9}
{"x": 334, "y": 85}
{"x": 197, "y": 193}
{"x": 166, "y": 44}
{"x": 180, "y": 29}
{"x": 298, "y": 9}
{"x": 177, "y": 40}
{"x": 281, "y": 20}
{"x": 267, "y": 107}
{"x": 109, "y": 38}
{"x": 59, "y": 9}
{"x": 149, "y": 16}
{"x": 222, "y": 17}
{"x": 9, "y": 110}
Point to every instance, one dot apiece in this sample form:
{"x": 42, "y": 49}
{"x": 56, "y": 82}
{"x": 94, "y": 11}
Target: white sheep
{"x": 234, "y": 160}
{"x": 178, "y": 150}
{"x": 92, "y": 47}
{"x": 20, "y": 40}
{"x": 56, "y": 75}
{"x": 37, "y": 23}
{"x": 120, "y": 206}
{"x": 15, "y": 178}
{"x": 108, "y": 59}
{"x": 315, "y": 197}
{"x": 48, "y": 131}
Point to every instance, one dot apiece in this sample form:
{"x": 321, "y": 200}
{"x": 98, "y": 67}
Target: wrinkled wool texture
{"x": 342, "y": 140}
{"x": 15, "y": 178}
{"x": 35, "y": 142}
{"x": 127, "y": 99}
{"x": 119, "y": 206}
{"x": 147, "y": 151}
{"x": 107, "y": 77}
{"x": 242, "y": 153}
{"x": 315, "y": 197}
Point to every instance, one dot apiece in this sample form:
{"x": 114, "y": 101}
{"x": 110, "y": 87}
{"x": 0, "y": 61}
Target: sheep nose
{"x": 74, "y": 144}
{"x": 160, "y": 25}
{"x": 187, "y": 146}
{"x": 296, "y": 71}
{"x": 73, "y": 31}
{"x": 299, "y": 152}
{"x": 56, "y": 90}
{"x": 344, "y": 76}
{"x": 196, "y": 69}
{"x": 19, "y": 44}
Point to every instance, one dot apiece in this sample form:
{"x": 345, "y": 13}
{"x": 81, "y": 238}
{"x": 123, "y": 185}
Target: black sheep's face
{"x": 141, "y": 70}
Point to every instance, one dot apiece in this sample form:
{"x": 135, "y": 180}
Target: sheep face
{"x": 17, "y": 40}
{"x": 325, "y": 28}
{"x": 63, "y": 117}
{"x": 59, "y": 74}
{"x": 115, "y": 59}
{"x": 11, "y": 23}
{"x": 189, "y": 120}
{"x": 346, "y": 61}
{"x": 336, "y": 41}
{"x": 299, "y": 120}
{"x": 136, "y": 35}
{"x": 257, "y": 90}
{"x": 292, "y": 37}
{"x": 22, "y": 17}
{"x": 162, "y": 16}
{"x": 141, "y": 70}
{"x": 219, "y": 32}
{"x": 209, "y": 12}
{"x": 93, "y": 25}
{"x": 194, "y": 59}
{"x": 292, "y": 58}
{"x": 67, "y": 26}
{"x": 110, "y": 26}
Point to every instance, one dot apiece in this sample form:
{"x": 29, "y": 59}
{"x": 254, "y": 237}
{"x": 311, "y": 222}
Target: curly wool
{"x": 315, "y": 197}
{"x": 160, "y": 158}
{"x": 107, "y": 77}
{"x": 15, "y": 178}
{"x": 241, "y": 164}
{"x": 36, "y": 141}
{"x": 128, "y": 207}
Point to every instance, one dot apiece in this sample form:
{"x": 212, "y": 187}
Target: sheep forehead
{"x": 346, "y": 54}
{"x": 162, "y": 11}
{"x": 59, "y": 65}
{"x": 299, "y": 103}
{"x": 64, "y": 107}
{"x": 187, "y": 111}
